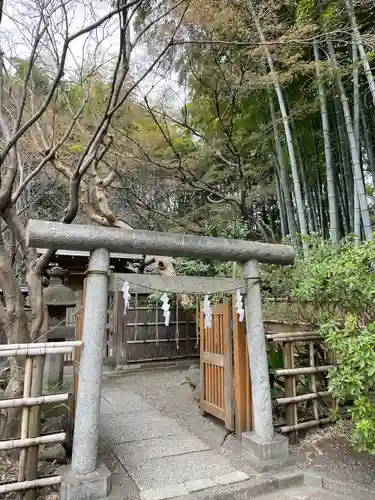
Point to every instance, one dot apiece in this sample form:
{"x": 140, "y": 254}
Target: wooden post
{"x": 242, "y": 386}
{"x": 118, "y": 324}
{"x": 34, "y": 415}
{"x": 77, "y": 354}
{"x": 290, "y": 386}
{"x": 228, "y": 368}
{"x": 25, "y": 419}
{"x": 332, "y": 360}
{"x": 313, "y": 379}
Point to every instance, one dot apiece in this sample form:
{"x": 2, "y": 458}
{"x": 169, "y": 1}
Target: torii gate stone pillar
{"x": 87, "y": 478}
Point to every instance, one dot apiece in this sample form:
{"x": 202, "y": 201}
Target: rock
{"x": 56, "y": 452}
{"x": 194, "y": 375}
{"x": 46, "y": 469}
{"x": 197, "y": 392}
{"x": 54, "y": 424}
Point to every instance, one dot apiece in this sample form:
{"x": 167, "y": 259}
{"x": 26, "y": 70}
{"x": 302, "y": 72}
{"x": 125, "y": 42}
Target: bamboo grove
{"x": 276, "y": 122}
{"x": 256, "y": 111}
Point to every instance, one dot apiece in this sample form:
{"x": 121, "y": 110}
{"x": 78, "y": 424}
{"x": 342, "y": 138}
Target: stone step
{"x": 233, "y": 486}
{"x": 306, "y": 493}
{"x": 283, "y": 486}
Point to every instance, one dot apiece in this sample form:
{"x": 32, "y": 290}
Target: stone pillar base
{"x": 93, "y": 486}
{"x": 266, "y": 454}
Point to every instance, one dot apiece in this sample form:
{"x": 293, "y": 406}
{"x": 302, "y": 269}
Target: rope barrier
{"x": 228, "y": 290}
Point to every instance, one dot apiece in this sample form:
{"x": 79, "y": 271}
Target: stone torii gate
{"x": 86, "y": 478}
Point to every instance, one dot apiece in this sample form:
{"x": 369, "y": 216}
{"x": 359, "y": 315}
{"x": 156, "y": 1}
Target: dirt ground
{"x": 328, "y": 451}
{"x": 9, "y": 472}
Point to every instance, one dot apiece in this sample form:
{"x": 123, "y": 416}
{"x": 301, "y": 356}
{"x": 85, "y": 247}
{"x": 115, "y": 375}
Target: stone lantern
{"x": 58, "y": 298}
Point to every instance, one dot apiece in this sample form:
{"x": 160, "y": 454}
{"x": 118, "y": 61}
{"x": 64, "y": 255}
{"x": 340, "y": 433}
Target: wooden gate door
{"x": 216, "y": 365}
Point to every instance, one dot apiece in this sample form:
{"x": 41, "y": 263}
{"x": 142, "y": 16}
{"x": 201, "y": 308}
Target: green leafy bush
{"x": 340, "y": 281}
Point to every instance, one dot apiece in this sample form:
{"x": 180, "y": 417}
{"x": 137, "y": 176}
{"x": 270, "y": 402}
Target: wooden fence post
{"x": 78, "y": 336}
{"x": 34, "y": 415}
{"x": 242, "y": 383}
{"x": 118, "y": 326}
{"x": 290, "y": 388}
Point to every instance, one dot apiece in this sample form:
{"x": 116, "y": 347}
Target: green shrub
{"x": 340, "y": 281}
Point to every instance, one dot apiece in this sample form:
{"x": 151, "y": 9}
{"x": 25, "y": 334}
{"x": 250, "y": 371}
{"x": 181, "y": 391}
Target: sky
{"x": 97, "y": 48}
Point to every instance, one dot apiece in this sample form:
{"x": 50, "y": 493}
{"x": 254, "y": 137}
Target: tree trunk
{"x": 281, "y": 206}
{"x": 15, "y": 317}
{"x": 361, "y": 49}
{"x": 368, "y": 143}
{"x": 283, "y": 173}
{"x": 285, "y": 118}
{"x": 13, "y": 321}
{"x": 357, "y": 210}
{"x": 332, "y": 203}
{"x": 347, "y": 180}
{"x": 308, "y": 201}
{"x": 357, "y": 170}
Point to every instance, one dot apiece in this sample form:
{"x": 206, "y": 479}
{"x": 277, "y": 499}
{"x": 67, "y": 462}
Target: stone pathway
{"x": 157, "y": 445}
{"x": 162, "y": 458}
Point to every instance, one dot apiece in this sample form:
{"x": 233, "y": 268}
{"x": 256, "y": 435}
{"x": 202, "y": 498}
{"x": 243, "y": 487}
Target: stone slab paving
{"x": 136, "y": 451}
{"x": 118, "y": 427}
{"x": 179, "y": 469}
{"x": 154, "y": 452}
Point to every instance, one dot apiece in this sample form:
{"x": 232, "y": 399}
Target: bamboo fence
{"x": 310, "y": 380}
{"x": 28, "y": 442}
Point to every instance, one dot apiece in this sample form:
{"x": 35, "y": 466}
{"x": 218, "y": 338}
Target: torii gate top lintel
{"x": 46, "y": 234}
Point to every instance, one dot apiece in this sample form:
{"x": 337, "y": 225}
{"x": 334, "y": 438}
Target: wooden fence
{"x": 31, "y": 403}
{"x": 301, "y": 397}
{"x": 141, "y": 335}
{"x": 299, "y": 363}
